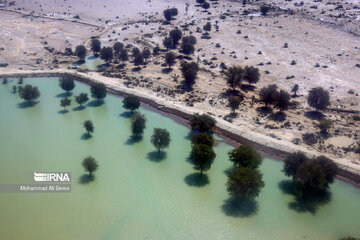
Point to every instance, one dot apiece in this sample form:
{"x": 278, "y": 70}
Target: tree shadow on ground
{"x": 229, "y": 93}
{"x": 314, "y": 115}
{"x": 27, "y": 104}
{"x": 86, "y": 136}
{"x": 247, "y": 87}
{"x": 64, "y": 111}
{"x": 126, "y": 114}
{"x": 82, "y": 61}
{"x": 133, "y": 139}
{"x": 79, "y": 108}
{"x": 95, "y": 103}
{"x": 166, "y": 70}
{"x": 136, "y": 69}
{"x": 86, "y": 178}
{"x": 121, "y": 66}
{"x": 228, "y": 171}
{"x": 310, "y": 203}
{"x": 156, "y": 156}
{"x": 197, "y": 180}
{"x": 264, "y": 110}
{"x": 229, "y": 117}
{"x": 278, "y": 116}
{"x": 240, "y": 208}
{"x": 63, "y": 95}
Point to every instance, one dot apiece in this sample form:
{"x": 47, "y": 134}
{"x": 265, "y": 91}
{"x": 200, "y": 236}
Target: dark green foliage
{"x": 98, "y": 91}
{"x": 187, "y": 48}
{"x": 189, "y": 39}
{"x": 29, "y": 93}
{"x": 89, "y": 127}
{"x": 138, "y": 59}
{"x": 319, "y": 98}
{"x": 234, "y": 102}
{"x": 138, "y": 122}
{"x": 95, "y": 45}
{"x": 205, "y": 5}
{"x": 106, "y": 54}
{"x": 117, "y": 47}
{"x": 252, "y": 75}
{"x": 160, "y": 138}
{"x": 268, "y": 94}
{"x": 207, "y": 26}
{"x": 81, "y": 98}
{"x": 167, "y": 15}
{"x": 156, "y": 50}
{"x": 245, "y": 156}
{"x": 123, "y": 56}
{"x": 282, "y": 100}
{"x": 146, "y": 53}
{"x": 234, "y": 76}
{"x": 135, "y": 51}
{"x": 131, "y": 103}
{"x": 294, "y": 89}
{"x": 324, "y": 125}
{"x": 264, "y": 9}
{"x": 64, "y": 102}
{"x": 292, "y": 162}
{"x": 202, "y": 123}
{"x": 202, "y": 156}
{"x": 67, "y": 83}
{"x": 170, "y": 58}
{"x": 175, "y": 35}
{"x": 80, "y": 52}
{"x": 200, "y": 1}
{"x": 168, "y": 42}
{"x": 189, "y": 71}
{"x": 244, "y": 183}
{"x": 90, "y": 165}
{"x": 310, "y": 175}
{"x": 202, "y": 138}
{"x": 174, "y": 11}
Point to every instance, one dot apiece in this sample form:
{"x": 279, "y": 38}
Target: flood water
{"x": 135, "y": 195}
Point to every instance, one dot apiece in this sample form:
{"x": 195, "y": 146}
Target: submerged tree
{"x": 202, "y": 123}
{"x": 202, "y": 138}
{"x": 67, "y": 84}
{"x": 138, "y": 122}
{"x": 89, "y": 127}
{"x": 292, "y": 163}
{"x": 131, "y": 103}
{"x": 202, "y": 156}
{"x": 29, "y": 93}
{"x": 244, "y": 183}
{"x": 81, "y": 98}
{"x": 90, "y": 165}
{"x": 98, "y": 91}
{"x": 160, "y": 138}
{"x": 64, "y": 102}
{"x": 245, "y": 156}
{"x": 318, "y": 98}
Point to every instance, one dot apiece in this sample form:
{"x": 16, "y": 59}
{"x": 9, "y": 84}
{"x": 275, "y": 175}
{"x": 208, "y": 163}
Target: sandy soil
{"x": 326, "y": 34}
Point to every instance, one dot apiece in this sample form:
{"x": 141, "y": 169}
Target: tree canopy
{"x": 202, "y": 138}
{"x": 268, "y": 94}
{"x": 282, "y": 100}
{"x": 29, "y": 93}
{"x": 67, "y": 83}
{"x": 170, "y": 58}
{"x": 244, "y": 183}
{"x": 131, "y": 103}
{"x": 106, "y": 54}
{"x": 123, "y": 55}
{"x": 207, "y": 26}
{"x": 160, "y": 138}
{"x": 98, "y": 91}
{"x": 202, "y": 157}
{"x": 252, "y": 75}
{"x": 80, "y": 52}
{"x": 187, "y": 48}
{"x": 234, "y": 102}
{"x": 168, "y": 42}
{"x": 318, "y": 98}
{"x": 234, "y": 76}
{"x": 89, "y": 127}
{"x": 245, "y": 156}
{"x": 117, "y": 47}
{"x": 90, "y": 165}
{"x": 175, "y": 35}
{"x": 189, "y": 71}
{"x": 81, "y": 98}
{"x": 64, "y": 102}
{"x": 138, "y": 122}
{"x": 202, "y": 123}
{"x": 95, "y": 45}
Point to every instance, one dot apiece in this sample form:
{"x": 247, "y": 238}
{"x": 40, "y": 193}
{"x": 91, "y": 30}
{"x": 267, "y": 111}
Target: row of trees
{"x": 236, "y": 75}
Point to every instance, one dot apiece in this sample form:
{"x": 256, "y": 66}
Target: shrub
{"x": 207, "y": 27}
{"x": 324, "y": 125}
{"x": 205, "y": 5}
{"x": 264, "y": 9}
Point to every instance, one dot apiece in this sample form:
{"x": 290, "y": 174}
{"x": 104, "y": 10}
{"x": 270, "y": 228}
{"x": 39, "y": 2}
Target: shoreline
{"x": 231, "y": 135}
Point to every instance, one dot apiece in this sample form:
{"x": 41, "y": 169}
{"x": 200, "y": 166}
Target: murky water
{"x": 135, "y": 195}
{"x": 91, "y": 63}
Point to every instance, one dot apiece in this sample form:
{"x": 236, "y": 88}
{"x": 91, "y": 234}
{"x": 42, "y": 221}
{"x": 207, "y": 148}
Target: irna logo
{"x": 52, "y": 177}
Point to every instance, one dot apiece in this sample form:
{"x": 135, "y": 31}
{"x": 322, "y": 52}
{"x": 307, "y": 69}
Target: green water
{"x": 132, "y": 196}
{"x": 91, "y": 63}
